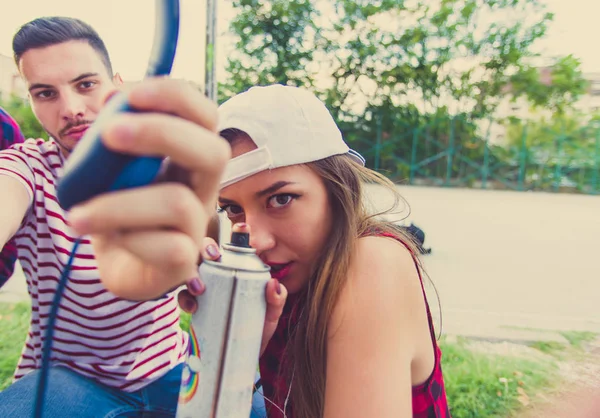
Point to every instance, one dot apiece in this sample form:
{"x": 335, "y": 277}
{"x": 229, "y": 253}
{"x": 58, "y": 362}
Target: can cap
{"x": 240, "y": 239}
{"x": 238, "y": 254}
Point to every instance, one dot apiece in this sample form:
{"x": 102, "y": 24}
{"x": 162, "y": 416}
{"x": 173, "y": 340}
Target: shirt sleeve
{"x": 14, "y": 164}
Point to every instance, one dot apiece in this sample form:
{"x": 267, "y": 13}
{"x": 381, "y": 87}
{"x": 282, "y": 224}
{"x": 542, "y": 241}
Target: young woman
{"x": 355, "y": 338}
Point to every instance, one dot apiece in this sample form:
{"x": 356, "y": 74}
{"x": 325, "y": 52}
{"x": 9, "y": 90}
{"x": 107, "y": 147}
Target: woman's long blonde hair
{"x": 344, "y": 181}
{"x": 305, "y": 359}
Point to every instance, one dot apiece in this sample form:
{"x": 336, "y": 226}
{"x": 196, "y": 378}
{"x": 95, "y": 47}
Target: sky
{"x": 575, "y": 31}
{"x": 127, "y": 29}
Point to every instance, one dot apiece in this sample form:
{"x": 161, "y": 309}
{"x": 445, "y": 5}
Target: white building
{"x": 11, "y": 83}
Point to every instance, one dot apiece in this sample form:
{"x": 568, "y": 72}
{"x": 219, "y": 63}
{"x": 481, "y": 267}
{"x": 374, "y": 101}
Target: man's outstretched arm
{"x": 12, "y": 211}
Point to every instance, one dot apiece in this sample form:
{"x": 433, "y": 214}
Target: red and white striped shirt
{"x": 120, "y": 343}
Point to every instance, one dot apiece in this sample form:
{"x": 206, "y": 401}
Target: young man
{"x": 109, "y": 355}
{"x": 9, "y": 134}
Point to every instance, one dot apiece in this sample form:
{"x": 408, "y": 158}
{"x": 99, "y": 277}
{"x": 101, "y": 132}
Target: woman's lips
{"x": 279, "y": 270}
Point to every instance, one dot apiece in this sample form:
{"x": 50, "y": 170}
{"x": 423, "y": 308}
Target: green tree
{"x": 561, "y": 149}
{"x": 402, "y": 65}
{"x": 557, "y": 87}
{"x": 275, "y": 42}
{"x": 569, "y": 136}
{"x": 459, "y": 53}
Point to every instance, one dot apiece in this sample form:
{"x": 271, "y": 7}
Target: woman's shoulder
{"x": 382, "y": 281}
{"x": 386, "y": 254}
{"x": 387, "y": 240}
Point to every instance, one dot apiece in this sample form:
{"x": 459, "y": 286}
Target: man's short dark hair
{"x": 47, "y": 31}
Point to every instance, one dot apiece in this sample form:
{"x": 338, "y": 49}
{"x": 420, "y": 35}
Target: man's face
{"x": 68, "y": 84}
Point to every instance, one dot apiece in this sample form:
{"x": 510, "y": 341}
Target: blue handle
{"x": 93, "y": 169}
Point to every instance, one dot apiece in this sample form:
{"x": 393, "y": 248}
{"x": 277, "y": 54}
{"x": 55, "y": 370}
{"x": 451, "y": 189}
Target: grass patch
{"x": 574, "y": 346}
{"x": 553, "y": 348}
{"x": 575, "y": 338}
{"x": 578, "y": 338}
{"x": 14, "y": 324}
{"x": 478, "y": 384}
{"x": 491, "y": 385}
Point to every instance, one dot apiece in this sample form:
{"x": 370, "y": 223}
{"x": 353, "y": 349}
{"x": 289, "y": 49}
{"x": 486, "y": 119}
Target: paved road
{"x": 505, "y": 260}
{"x": 507, "y": 265}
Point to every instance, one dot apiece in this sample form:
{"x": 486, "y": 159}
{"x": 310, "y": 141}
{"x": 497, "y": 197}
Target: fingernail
{"x": 196, "y": 285}
{"x": 213, "y": 251}
{"x": 278, "y": 288}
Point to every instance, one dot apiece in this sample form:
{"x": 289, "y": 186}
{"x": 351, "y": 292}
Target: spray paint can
{"x": 225, "y": 334}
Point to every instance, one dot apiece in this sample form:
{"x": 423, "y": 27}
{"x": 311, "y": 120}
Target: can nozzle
{"x": 240, "y": 235}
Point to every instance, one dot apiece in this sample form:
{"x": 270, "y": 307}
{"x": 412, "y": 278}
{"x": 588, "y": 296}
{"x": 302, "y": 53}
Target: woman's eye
{"x": 280, "y": 200}
{"x": 231, "y": 210}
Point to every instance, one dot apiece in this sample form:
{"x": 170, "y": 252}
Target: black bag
{"x": 419, "y": 236}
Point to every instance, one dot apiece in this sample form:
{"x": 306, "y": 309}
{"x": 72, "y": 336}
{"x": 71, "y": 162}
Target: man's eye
{"x": 44, "y": 94}
{"x": 87, "y": 84}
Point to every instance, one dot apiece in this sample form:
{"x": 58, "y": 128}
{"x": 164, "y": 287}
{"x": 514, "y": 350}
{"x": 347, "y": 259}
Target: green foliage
{"x": 14, "y": 323}
{"x": 477, "y": 385}
{"x": 441, "y": 49}
{"x": 549, "y": 347}
{"x": 394, "y": 73}
{"x": 23, "y": 115}
{"x": 275, "y": 44}
{"x": 566, "y": 139}
{"x": 578, "y": 338}
{"x": 404, "y": 138}
{"x": 393, "y": 50}
{"x": 564, "y": 85}
{"x": 491, "y": 385}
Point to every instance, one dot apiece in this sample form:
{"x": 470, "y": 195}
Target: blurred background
{"x": 485, "y": 113}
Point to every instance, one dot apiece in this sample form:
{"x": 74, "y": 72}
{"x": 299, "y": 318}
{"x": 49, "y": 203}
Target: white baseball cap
{"x": 289, "y": 126}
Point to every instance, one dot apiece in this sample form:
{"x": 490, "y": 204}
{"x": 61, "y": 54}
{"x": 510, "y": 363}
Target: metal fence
{"x": 449, "y": 153}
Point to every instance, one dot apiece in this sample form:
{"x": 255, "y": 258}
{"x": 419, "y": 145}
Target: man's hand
{"x": 147, "y": 240}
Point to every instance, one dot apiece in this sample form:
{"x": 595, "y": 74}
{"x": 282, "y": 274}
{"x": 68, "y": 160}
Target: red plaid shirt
{"x": 9, "y": 134}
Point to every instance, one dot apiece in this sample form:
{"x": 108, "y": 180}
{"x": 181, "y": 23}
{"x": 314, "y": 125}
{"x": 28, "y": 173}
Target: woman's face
{"x": 289, "y": 216}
